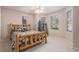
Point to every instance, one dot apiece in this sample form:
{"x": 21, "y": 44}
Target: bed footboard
{"x": 26, "y": 41}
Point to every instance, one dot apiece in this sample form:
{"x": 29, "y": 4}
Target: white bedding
{"x": 13, "y": 35}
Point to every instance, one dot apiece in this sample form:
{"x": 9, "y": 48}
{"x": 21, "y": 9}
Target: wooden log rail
{"x": 38, "y": 38}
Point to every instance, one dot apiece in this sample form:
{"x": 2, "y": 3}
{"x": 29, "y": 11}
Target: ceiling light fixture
{"x": 39, "y": 10}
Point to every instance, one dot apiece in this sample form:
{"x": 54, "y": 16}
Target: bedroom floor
{"x": 53, "y": 45}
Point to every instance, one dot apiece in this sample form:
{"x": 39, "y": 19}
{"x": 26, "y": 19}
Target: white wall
{"x": 62, "y": 24}
{"x": 13, "y": 17}
{"x": 76, "y": 28}
{"x": 62, "y": 32}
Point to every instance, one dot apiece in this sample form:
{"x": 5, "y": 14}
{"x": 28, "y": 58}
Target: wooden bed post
{"x": 17, "y": 43}
{"x": 31, "y": 39}
{"x": 45, "y": 38}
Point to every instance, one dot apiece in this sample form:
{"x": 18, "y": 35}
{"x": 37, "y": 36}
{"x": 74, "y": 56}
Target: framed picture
{"x": 24, "y": 20}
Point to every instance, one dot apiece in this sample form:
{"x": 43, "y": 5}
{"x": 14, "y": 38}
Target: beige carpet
{"x": 53, "y": 45}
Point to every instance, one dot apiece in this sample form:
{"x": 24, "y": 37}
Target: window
{"x": 43, "y": 19}
{"x": 24, "y": 20}
{"x": 54, "y": 22}
{"x": 69, "y": 21}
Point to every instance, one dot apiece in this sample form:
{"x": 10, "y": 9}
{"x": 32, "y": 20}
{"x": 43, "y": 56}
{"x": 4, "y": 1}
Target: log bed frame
{"x": 41, "y": 36}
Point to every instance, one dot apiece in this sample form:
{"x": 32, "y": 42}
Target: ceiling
{"x": 30, "y": 9}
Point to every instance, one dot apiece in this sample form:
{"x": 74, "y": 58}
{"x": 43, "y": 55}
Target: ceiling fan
{"x": 39, "y": 10}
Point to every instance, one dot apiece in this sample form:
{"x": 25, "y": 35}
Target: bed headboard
{"x": 20, "y": 27}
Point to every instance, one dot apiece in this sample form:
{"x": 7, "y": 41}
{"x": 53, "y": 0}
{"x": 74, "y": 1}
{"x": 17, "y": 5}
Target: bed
{"x": 22, "y": 39}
